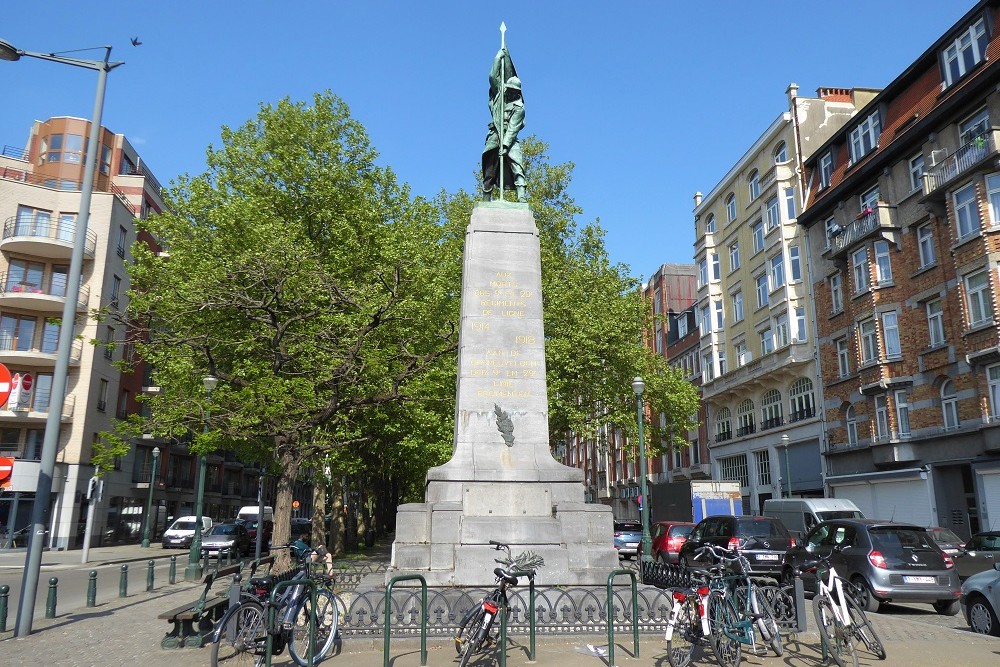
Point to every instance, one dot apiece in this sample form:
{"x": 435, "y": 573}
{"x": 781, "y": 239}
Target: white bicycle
{"x": 841, "y": 620}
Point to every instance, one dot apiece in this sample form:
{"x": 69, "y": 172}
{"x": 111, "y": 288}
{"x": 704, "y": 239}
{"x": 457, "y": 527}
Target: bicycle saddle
{"x": 503, "y": 574}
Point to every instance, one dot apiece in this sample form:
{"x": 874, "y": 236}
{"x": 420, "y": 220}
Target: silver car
{"x": 981, "y": 600}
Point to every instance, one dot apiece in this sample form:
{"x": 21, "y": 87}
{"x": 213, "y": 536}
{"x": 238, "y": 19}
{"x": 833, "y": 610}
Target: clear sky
{"x": 652, "y": 101}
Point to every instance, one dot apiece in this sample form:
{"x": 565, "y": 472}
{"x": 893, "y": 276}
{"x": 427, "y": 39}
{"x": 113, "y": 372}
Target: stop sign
{"x": 4, "y": 384}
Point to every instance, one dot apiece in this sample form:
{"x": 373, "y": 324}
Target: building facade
{"x": 903, "y": 222}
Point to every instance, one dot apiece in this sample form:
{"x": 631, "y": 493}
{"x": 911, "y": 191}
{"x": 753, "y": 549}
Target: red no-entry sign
{"x": 4, "y": 384}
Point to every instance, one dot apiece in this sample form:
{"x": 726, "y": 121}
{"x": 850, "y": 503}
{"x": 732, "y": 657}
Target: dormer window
{"x": 825, "y": 170}
{"x": 967, "y": 51}
{"x": 865, "y": 136}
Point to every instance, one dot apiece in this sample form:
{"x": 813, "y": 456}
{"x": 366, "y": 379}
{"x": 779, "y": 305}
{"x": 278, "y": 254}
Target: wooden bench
{"x": 193, "y": 623}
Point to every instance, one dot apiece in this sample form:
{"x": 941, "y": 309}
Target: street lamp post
{"x": 638, "y": 386}
{"x": 788, "y": 470}
{"x": 50, "y": 443}
{"x": 193, "y": 570}
{"x": 149, "y": 505}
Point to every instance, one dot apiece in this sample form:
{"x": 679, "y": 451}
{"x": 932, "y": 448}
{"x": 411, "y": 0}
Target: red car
{"x": 668, "y": 536}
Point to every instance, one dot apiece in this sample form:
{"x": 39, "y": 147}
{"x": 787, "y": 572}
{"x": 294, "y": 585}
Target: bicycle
{"x": 242, "y": 634}
{"x": 476, "y": 632}
{"x": 690, "y": 624}
{"x": 841, "y": 620}
{"x": 738, "y": 610}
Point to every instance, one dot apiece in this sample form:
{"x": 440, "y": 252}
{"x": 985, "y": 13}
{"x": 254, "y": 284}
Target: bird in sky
{"x": 135, "y": 41}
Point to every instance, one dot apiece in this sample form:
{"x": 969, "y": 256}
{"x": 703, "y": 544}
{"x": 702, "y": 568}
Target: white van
{"x": 800, "y": 514}
{"x": 181, "y": 532}
{"x": 249, "y": 513}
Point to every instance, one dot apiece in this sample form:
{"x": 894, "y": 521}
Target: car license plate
{"x": 631, "y": 544}
{"x": 772, "y": 557}
{"x": 919, "y": 580}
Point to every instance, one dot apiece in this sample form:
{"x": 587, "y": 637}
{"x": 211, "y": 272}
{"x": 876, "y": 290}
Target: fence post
{"x": 530, "y": 574}
{"x": 149, "y": 575}
{"x": 173, "y": 570}
{"x": 123, "y": 582}
{"x": 92, "y": 589}
{"x": 611, "y": 615}
{"x": 4, "y": 594}
{"x": 50, "y": 602}
{"x": 423, "y": 616}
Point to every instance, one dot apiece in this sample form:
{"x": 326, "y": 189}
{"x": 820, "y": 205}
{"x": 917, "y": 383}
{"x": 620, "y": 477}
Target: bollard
{"x": 149, "y": 575}
{"x": 4, "y": 593}
{"x": 173, "y": 570}
{"x": 50, "y": 602}
{"x": 92, "y": 589}
{"x": 123, "y": 583}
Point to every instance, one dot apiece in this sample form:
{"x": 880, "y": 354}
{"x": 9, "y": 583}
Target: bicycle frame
{"x": 833, "y": 588}
{"x": 680, "y": 598}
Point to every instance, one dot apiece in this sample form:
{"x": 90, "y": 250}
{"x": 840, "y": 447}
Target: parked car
{"x": 886, "y": 562}
{"x": 668, "y": 537}
{"x": 981, "y": 601}
{"x": 232, "y": 537}
{"x": 947, "y": 541}
{"x": 627, "y": 537}
{"x": 251, "y": 526}
{"x": 301, "y": 529}
{"x": 763, "y": 540}
{"x": 979, "y": 554}
{"x": 181, "y": 532}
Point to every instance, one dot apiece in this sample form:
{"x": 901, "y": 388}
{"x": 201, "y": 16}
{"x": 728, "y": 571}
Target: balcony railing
{"x": 773, "y": 422}
{"x": 799, "y": 415}
{"x": 723, "y": 436}
{"x": 746, "y": 430}
{"x": 970, "y": 154}
{"x": 17, "y": 286}
{"x": 869, "y": 222}
{"x": 52, "y": 230}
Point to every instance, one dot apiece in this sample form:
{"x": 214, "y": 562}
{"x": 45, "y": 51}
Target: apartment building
{"x": 683, "y": 353}
{"x": 39, "y": 203}
{"x": 903, "y": 227}
{"x": 757, "y": 354}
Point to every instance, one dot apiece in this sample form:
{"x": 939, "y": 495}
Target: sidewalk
{"x": 73, "y": 559}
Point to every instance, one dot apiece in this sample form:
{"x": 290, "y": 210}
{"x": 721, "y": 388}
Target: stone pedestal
{"x": 502, "y": 482}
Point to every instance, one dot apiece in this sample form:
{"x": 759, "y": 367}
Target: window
{"x": 831, "y": 229}
{"x": 777, "y": 271}
{"x": 825, "y": 170}
{"x": 682, "y": 326}
{"x": 773, "y": 217}
{"x": 795, "y": 263}
{"x": 935, "y": 322}
{"x": 925, "y": 245}
{"x": 843, "y": 357}
{"x": 859, "y": 266}
{"x": 881, "y": 417}
{"x": 706, "y": 320}
{"x": 716, "y": 267}
{"x": 123, "y": 404}
{"x": 770, "y": 409}
{"x": 758, "y": 236}
{"x": 738, "y": 306}
{"x": 993, "y": 386}
{"x": 790, "y": 203}
{"x": 32, "y": 222}
{"x": 781, "y": 330}
{"x": 731, "y": 207}
{"x": 703, "y": 273}
{"x": 763, "y": 460}
{"x": 723, "y": 366}
{"x": 836, "y": 294}
{"x": 869, "y": 341}
{"x": 762, "y": 290}
{"x": 977, "y": 288}
{"x": 50, "y": 336}
{"x": 719, "y": 316}
{"x": 744, "y": 417}
{"x": 122, "y": 238}
{"x": 723, "y": 425}
{"x": 974, "y": 126}
{"x": 734, "y": 256}
{"x": 17, "y": 333}
{"x": 852, "y": 426}
{"x": 890, "y": 334}
{"x": 949, "y": 406}
{"x": 42, "y": 392}
{"x": 708, "y": 367}
{"x": 753, "y": 185}
{"x": 801, "y": 399}
{"x": 116, "y": 287}
{"x": 109, "y": 343}
{"x": 916, "y": 170}
{"x": 902, "y": 413}
{"x": 102, "y": 396}
{"x": 766, "y": 341}
{"x": 24, "y": 276}
{"x": 883, "y": 265}
{"x": 966, "y": 211}
{"x": 800, "y": 324}
{"x": 53, "y": 153}
{"x": 869, "y": 199}
{"x": 865, "y": 136}
{"x": 734, "y": 468}
{"x": 780, "y": 153}
{"x": 968, "y": 50}
{"x": 710, "y": 224}
{"x": 993, "y": 197}
{"x": 742, "y": 355}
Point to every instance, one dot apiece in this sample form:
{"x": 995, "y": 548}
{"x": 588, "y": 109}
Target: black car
{"x": 301, "y": 529}
{"x": 978, "y": 554}
{"x": 761, "y": 539}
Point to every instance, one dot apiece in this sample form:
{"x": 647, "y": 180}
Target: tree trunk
{"x": 319, "y": 514}
{"x": 337, "y": 523}
{"x": 283, "y": 497}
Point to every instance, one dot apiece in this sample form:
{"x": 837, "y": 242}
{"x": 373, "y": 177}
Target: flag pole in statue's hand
{"x": 503, "y": 100}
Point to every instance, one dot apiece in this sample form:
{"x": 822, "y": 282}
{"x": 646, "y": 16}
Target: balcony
{"x": 970, "y": 155}
{"x": 746, "y": 430}
{"x": 18, "y": 293}
{"x": 723, "y": 436}
{"x": 804, "y": 413}
{"x": 39, "y": 412}
{"x": 878, "y": 220}
{"x": 772, "y": 422}
{"x": 18, "y": 352}
{"x": 782, "y": 364}
{"x": 779, "y": 172}
{"x": 52, "y": 239}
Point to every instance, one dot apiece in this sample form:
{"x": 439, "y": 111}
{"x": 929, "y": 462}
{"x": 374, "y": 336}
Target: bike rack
{"x": 530, "y": 574}
{"x": 273, "y": 609}
{"x": 611, "y": 610}
{"x": 423, "y": 616}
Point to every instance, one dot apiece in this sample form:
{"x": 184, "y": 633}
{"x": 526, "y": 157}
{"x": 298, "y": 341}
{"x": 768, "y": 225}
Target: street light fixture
{"x": 50, "y": 444}
{"x": 193, "y": 570}
{"x": 788, "y": 470}
{"x": 149, "y": 505}
{"x": 638, "y": 386}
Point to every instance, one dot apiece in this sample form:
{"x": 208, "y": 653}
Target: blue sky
{"x": 652, "y": 101}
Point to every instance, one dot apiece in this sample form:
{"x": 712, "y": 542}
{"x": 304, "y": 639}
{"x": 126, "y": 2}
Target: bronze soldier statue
{"x": 507, "y": 119}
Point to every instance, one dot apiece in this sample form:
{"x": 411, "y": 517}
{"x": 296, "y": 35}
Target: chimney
{"x": 697, "y": 199}
{"x": 792, "y": 91}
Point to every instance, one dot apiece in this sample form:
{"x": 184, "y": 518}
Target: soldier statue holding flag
{"x": 507, "y": 111}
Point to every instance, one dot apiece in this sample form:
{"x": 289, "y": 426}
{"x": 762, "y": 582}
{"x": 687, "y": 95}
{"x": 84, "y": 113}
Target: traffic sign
{"x": 295, "y": 504}
{"x": 4, "y": 384}
{"x": 26, "y": 382}
{"x": 6, "y": 472}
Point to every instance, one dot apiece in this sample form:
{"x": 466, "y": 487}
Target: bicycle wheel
{"x": 470, "y": 635}
{"x": 766, "y": 624}
{"x": 241, "y": 637}
{"x": 838, "y": 639}
{"x": 685, "y": 634}
{"x": 327, "y": 617}
{"x": 864, "y": 630}
{"x": 723, "y": 617}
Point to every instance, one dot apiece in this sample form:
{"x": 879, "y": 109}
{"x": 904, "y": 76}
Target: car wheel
{"x": 947, "y": 607}
{"x": 982, "y": 618}
{"x": 864, "y": 594}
